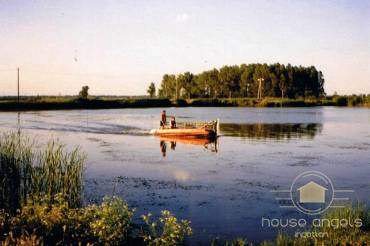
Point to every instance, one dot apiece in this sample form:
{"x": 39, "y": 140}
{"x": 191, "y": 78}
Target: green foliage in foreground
{"x": 168, "y": 232}
{"x": 56, "y": 223}
{"x": 110, "y": 224}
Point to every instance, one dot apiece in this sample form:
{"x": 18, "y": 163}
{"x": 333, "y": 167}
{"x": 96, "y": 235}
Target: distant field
{"x": 73, "y": 102}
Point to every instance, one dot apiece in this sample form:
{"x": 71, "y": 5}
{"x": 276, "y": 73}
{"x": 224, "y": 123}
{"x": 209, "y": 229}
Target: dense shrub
{"x": 57, "y": 223}
{"x": 168, "y": 231}
{"x": 42, "y": 221}
{"x": 110, "y": 222}
{"x": 340, "y": 101}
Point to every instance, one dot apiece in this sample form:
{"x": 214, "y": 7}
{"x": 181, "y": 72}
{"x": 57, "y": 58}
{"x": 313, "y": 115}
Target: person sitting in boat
{"x": 163, "y": 119}
{"x": 173, "y": 122}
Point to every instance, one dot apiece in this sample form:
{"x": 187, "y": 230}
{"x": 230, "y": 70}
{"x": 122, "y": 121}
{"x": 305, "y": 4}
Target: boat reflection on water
{"x": 171, "y": 142}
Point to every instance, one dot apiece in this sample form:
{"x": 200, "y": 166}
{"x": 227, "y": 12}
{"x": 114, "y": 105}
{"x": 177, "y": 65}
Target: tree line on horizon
{"x": 246, "y": 80}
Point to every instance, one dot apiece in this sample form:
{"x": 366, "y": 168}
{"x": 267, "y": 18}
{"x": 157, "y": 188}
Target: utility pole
{"x": 18, "y": 82}
{"x": 259, "y": 92}
{"x": 319, "y": 83}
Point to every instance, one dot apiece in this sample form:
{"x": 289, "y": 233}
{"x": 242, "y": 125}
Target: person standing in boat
{"x": 173, "y": 122}
{"x": 163, "y": 119}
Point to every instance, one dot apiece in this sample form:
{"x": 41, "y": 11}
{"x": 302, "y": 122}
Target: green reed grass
{"x": 58, "y": 171}
{"x": 347, "y": 235}
{"x": 15, "y": 167}
{"x": 26, "y": 172}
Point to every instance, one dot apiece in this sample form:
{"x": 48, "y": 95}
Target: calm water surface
{"x": 223, "y": 187}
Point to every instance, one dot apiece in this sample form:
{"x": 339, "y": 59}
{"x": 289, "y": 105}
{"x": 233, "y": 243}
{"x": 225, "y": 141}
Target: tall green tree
{"x": 168, "y": 86}
{"x": 214, "y": 83}
{"x": 187, "y": 82}
{"x": 282, "y": 85}
{"x": 208, "y": 83}
{"x": 151, "y": 90}
{"x": 279, "y": 80}
{"x": 84, "y": 93}
{"x": 229, "y": 77}
{"x": 246, "y": 80}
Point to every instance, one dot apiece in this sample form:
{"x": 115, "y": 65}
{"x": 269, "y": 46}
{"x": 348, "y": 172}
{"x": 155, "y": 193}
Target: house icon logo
{"x": 311, "y": 193}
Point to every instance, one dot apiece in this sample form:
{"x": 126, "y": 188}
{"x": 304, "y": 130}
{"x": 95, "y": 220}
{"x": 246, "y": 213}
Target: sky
{"x": 119, "y": 47}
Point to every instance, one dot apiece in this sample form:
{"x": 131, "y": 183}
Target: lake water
{"x": 223, "y": 187}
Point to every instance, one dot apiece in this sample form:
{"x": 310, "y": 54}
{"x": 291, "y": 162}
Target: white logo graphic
{"x": 311, "y": 193}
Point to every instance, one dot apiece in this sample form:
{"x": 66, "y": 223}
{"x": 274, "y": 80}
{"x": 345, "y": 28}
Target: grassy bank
{"x": 278, "y": 102}
{"x": 56, "y": 103}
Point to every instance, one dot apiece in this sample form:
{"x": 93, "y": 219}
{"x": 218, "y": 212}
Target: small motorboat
{"x": 189, "y": 130}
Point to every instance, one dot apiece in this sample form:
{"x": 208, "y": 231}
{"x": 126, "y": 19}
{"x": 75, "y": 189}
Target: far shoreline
{"x": 75, "y": 103}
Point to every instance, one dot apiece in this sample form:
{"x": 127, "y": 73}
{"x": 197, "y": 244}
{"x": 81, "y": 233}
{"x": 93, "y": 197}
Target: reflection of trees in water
{"x": 271, "y": 131}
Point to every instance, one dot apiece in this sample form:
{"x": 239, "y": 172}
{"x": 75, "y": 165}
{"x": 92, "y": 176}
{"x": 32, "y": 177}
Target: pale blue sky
{"x": 119, "y": 47}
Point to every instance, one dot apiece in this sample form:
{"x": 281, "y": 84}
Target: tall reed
{"x": 57, "y": 171}
{"x": 15, "y": 170}
{"x": 28, "y": 173}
